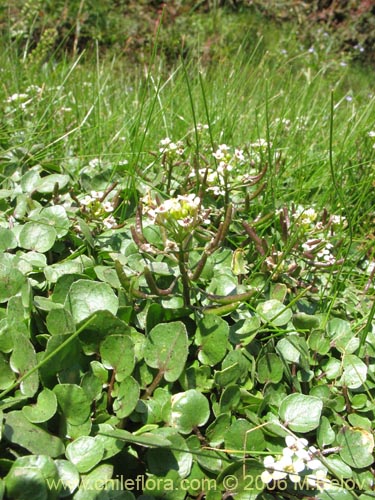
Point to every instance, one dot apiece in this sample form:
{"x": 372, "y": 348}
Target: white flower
{"x": 17, "y": 97}
{"x": 218, "y": 154}
{"x": 166, "y": 141}
{"x": 238, "y": 153}
{"x": 97, "y": 195}
{"x": 108, "y": 207}
{"x": 297, "y": 447}
{"x": 109, "y": 222}
{"x": 292, "y": 467}
{"x": 371, "y": 133}
{"x": 319, "y": 479}
{"x": 271, "y": 473}
{"x": 87, "y": 200}
{"x": 286, "y": 466}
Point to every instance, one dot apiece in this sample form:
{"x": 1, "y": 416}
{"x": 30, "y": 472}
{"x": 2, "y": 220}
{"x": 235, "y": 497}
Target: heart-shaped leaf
{"x": 44, "y": 409}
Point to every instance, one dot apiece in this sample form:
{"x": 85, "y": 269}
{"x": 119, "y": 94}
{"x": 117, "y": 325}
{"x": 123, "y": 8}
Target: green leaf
{"x": 161, "y": 461}
{"x": 85, "y": 297}
{"x": 11, "y": 281}
{"x": 301, "y": 413}
{"x": 230, "y": 398}
{"x": 60, "y": 322}
{"x": 47, "y": 184}
{"x": 69, "y": 477}
{"x": 73, "y": 403}
{"x": 97, "y": 477}
{"x": 217, "y": 430}
{"x": 85, "y": 452}
{"x": 44, "y": 409}
{"x": 127, "y": 395}
{"x": 103, "y": 325}
{"x": 117, "y": 352}
{"x": 167, "y": 349}
{"x": 22, "y": 360}
{"x": 7, "y": 376}
{"x": 228, "y": 376}
{"x": 38, "y": 237}
{"x": 242, "y": 436}
{"x": 7, "y": 239}
{"x": 31, "y": 477}
{"x": 355, "y": 372}
{"x": 190, "y": 409}
{"x": 212, "y": 338}
{"x": 304, "y": 321}
{"x": 19, "y": 430}
{"x": 325, "y": 433}
{"x": 273, "y": 311}
{"x": 270, "y": 368}
{"x": 356, "y": 446}
{"x": 56, "y": 217}
{"x": 342, "y": 336}
{"x": 112, "y": 445}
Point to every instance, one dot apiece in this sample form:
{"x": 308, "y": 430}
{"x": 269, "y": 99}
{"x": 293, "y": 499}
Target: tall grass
{"x": 104, "y": 109}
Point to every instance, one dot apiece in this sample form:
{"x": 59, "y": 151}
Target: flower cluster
{"x": 95, "y": 207}
{"x": 217, "y": 178}
{"x": 296, "y": 458}
{"x": 180, "y": 215}
{"x": 371, "y": 134}
{"x": 171, "y": 149}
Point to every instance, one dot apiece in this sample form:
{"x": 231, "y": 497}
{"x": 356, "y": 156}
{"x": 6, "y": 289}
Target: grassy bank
{"x": 187, "y": 272}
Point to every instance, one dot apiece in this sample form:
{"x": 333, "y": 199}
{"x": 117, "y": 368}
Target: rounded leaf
{"x": 73, "y": 402}
{"x": 11, "y": 281}
{"x": 301, "y": 413}
{"x": 356, "y": 446}
{"x": 127, "y": 396}
{"x": 212, "y": 338}
{"x": 273, "y": 311}
{"x": 190, "y": 409}
{"x": 85, "y": 452}
{"x": 69, "y": 477}
{"x": 117, "y": 352}
{"x": 19, "y": 430}
{"x": 167, "y": 349}
{"x": 86, "y": 297}
{"x": 242, "y": 436}
{"x": 48, "y": 183}
{"x": 7, "y": 239}
{"x": 44, "y": 409}
{"x": 270, "y": 368}
{"x": 37, "y": 236}
{"x": 355, "y": 372}
{"x": 31, "y": 477}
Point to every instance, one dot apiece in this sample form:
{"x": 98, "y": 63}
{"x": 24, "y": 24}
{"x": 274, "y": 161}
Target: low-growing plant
{"x": 186, "y": 281}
